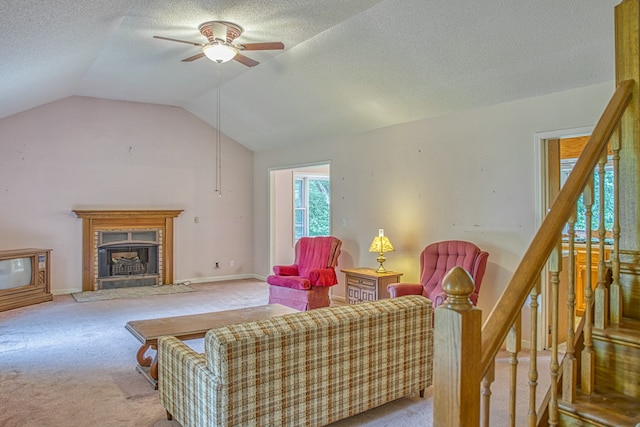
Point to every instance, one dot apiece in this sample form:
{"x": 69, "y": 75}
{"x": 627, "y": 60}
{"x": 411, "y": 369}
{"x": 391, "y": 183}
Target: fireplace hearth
{"x": 126, "y": 248}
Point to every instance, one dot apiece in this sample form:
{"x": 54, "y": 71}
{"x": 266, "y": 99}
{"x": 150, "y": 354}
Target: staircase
{"x": 616, "y": 398}
{"x": 594, "y": 367}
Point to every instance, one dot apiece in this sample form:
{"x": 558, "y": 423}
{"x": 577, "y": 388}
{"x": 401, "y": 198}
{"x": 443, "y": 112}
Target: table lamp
{"x": 381, "y": 245}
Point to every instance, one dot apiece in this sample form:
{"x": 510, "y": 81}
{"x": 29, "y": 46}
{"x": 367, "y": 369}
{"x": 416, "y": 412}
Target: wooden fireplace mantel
{"x": 94, "y": 220}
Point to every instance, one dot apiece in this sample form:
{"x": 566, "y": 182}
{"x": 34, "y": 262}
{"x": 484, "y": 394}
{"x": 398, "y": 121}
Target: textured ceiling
{"x": 347, "y": 66}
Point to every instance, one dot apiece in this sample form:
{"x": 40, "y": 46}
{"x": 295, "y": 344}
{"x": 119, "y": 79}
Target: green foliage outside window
{"x": 581, "y": 219}
{"x": 319, "y": 205}
{"x": 312, "y": 206}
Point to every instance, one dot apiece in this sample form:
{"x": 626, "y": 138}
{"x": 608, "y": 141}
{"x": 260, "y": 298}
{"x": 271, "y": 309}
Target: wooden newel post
{"x": 457, "y": 354}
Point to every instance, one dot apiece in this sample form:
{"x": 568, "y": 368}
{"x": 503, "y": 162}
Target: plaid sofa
{"x": 303, "y": 369}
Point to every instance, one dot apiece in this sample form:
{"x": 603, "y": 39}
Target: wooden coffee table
{"x": 190, "y": 327}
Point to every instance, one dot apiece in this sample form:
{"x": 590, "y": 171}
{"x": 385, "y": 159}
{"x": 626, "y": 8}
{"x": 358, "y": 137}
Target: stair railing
{"x": 465, "y": 350}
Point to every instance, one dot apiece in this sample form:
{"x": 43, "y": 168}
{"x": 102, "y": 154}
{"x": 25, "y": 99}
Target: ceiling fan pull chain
{"x": 218, "y": 142}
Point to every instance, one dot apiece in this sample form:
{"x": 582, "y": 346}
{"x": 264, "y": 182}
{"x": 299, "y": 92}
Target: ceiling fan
{"x": 220, "y": 47}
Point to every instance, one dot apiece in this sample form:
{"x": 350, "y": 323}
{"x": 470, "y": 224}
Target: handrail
{"x": 504, "y": 313}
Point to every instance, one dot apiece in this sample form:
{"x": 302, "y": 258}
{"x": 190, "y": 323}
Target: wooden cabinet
{"x": 581, "y": 271}
{"x": 366, "y": 284}
{"x": 25, "y": 277}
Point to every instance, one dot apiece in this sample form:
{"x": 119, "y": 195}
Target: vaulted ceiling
{"x": 348, "y": 66}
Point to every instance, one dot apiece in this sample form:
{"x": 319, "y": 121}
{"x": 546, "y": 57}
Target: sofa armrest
{"x": 401, "y": 289}
{"x": 285, "y": 270}
{"x": 183, "y": 379}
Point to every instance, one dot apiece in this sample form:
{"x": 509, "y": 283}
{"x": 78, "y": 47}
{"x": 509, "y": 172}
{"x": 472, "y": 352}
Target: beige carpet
{"x": 73, "y": 365}
{"x": 134, "y": 292}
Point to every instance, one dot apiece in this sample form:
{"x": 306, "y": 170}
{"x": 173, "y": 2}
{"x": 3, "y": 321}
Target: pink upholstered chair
{"x": 305, "y": 284}
{"x": 435, "y": 261}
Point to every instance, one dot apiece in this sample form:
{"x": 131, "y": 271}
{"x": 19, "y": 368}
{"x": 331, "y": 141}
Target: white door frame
{"x": 541, "y": 138}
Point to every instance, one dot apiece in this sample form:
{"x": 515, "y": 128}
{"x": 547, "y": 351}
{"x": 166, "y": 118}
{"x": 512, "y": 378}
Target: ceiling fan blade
{"x": 194, "y": 57}
{"x": 176, "y": 40}
{"x": 261, "y": 46}
{"x": 245, "y": 60}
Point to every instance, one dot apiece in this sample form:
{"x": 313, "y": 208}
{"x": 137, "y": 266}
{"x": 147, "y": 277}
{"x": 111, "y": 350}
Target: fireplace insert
{"x": 128, "y": 258}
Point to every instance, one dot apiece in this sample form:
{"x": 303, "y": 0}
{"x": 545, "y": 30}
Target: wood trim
{"x": 97, "y": 220}
{"x": 127, "y": 214}
{"x": 87, "y": 277}
{"x": 571, "y": 148}
{"x": 167, "y": 253}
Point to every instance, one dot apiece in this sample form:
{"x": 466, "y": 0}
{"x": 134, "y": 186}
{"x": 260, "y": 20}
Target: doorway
{"x": 548, "y": 182}
{"x": 299, "y": 206}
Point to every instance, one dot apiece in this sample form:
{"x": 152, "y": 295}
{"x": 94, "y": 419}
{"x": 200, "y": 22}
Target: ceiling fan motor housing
{"x": 213, "y": 30}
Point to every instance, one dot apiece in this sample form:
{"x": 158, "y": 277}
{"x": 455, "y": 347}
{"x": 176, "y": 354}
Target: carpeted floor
{"x": 73, "y": 365}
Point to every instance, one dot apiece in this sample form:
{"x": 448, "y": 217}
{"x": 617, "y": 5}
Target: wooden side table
{"x": 366, "y": 284}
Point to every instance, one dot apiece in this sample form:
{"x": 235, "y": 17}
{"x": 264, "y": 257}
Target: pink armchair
{"x": 305, "y": 284}
{"x": 435, "y": 261}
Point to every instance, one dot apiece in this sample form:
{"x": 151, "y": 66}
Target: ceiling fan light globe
{"x": 219, "y": 52}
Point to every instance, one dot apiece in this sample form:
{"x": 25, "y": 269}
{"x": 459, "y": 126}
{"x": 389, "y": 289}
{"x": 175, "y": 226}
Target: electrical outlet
{"x": 232, "y": 263}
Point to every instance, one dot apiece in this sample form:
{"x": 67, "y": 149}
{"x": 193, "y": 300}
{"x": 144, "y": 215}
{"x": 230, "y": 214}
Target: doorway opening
{"x": 555, "y": 151}
{"x": 300, "y": 205}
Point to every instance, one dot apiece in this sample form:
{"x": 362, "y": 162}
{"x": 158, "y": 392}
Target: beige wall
{"x": 283, "y": 216}
{"x": 469, "y": 176}
{"x": 91, "y": 153}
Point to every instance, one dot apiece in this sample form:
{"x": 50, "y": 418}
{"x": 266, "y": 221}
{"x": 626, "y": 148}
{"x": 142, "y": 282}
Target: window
{"x": 311, "y": 205}
{"x": 566, "y": 166}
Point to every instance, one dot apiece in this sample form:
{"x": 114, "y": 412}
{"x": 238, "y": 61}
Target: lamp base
{"x": 381, "y": 258}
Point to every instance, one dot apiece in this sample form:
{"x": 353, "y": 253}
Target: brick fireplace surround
{"x": 96, "y": 221}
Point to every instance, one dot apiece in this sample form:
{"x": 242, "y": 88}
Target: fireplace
{"x": 126, "y": 248}
{"x": 128, "y": 258}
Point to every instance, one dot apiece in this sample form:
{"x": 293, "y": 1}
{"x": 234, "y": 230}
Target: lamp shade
{"x": 219, "y": 52}
{"x": 381, "y": 244}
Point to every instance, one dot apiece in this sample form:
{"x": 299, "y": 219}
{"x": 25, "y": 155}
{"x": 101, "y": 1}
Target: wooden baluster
{"x": 570, "y": 364}
{"x": 615, "y": 291}
{"x": 533, "y": 363}
{"x": 587, "y": 368}
{"x": 555, "y": 266}
{"x": 601, "y": 294}
{"x": 513, "y": 345}
{"x": 488, "y": 379}
{"x": 457, "y": 354}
